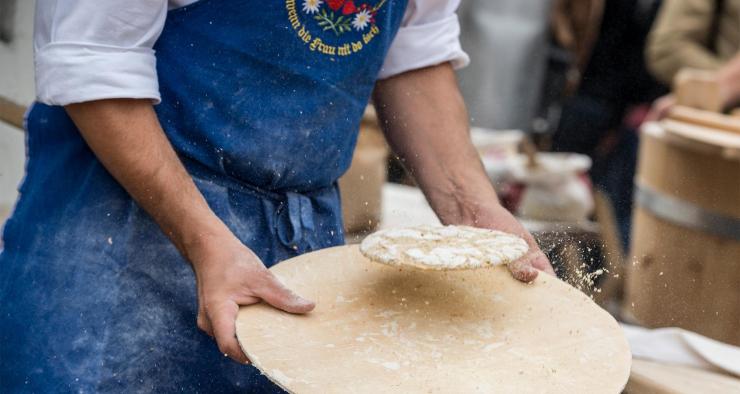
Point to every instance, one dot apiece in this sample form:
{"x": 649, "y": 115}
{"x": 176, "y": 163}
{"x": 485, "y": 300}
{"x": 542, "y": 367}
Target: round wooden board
{"x": 383, "y": 329}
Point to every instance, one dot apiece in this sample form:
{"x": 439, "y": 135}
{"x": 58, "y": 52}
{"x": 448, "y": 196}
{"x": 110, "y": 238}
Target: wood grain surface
{"x": 384, "y": 329}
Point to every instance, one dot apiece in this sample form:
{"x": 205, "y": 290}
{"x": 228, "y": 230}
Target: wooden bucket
{"x": 685, "y": 268}
{"x": 362, "y": 185}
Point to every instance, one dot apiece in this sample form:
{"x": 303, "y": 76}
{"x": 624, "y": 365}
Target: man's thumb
{"x": 522, "y": 271}
{"x": 276, "y": 294}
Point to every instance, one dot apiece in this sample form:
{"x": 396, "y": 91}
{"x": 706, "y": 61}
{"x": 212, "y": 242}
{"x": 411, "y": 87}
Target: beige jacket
{"x": 680, "y": 37}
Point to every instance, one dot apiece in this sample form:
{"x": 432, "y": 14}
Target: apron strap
{"x": 294, "y": 213}
{"x": 294, "y": 220}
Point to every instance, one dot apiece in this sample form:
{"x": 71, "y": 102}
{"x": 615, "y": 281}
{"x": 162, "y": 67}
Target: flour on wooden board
{"x": 443, "y": 248}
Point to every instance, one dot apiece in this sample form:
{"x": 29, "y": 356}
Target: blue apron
{"x": 262, "y": 102}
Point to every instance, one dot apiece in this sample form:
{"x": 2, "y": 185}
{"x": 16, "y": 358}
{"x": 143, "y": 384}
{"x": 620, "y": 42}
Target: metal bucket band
{"x": 686, "y": 214}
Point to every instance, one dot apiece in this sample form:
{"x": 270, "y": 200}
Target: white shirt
{"x": 96, "y": 49}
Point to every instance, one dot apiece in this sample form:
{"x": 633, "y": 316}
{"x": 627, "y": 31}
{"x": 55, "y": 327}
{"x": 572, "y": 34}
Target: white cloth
{"x": 429, "y": 35}
{"x": 676, "y": 346}
{"x": 96, "y": 49}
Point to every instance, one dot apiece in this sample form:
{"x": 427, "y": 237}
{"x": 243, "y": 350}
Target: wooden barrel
{"x": 361, "y": 186}
{"x": 685, "y": 268}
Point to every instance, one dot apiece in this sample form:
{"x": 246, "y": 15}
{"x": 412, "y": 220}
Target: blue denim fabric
{"x": 93, "y": 297}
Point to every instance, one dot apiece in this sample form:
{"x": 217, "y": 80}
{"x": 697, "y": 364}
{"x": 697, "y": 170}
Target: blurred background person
{"x": 571, "y": 73}
{"x": 699, "y": 34}
{"x": 612, "y": 92}
{"x": 702, "y": 34}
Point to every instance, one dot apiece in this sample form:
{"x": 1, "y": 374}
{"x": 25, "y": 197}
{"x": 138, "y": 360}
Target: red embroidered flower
{"x": 347, "y": 6}
{"x": 335, "y": 4}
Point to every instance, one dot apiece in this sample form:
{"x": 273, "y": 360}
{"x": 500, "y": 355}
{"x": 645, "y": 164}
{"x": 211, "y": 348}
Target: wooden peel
{"x": 384, "y": 329}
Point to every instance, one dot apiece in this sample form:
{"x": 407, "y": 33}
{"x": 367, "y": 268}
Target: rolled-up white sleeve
{"x": 97, "y": 49}
{"x": 429, "y": 35}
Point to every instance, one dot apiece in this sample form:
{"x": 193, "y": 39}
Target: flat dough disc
{"x": 443, "y": 247}
{"x": 382, "y": 329}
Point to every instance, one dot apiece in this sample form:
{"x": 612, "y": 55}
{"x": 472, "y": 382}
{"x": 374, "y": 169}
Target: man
{"x": 703, "y": 35}
{"x": 234, "y": 169}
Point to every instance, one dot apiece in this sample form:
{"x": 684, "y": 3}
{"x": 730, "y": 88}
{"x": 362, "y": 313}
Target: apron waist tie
{"x": 294, "y": 212}
{"x": 299, "y": 214}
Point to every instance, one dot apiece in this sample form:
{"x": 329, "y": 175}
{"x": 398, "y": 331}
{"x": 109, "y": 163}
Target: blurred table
{"x": 658, "y": 378}
{"x": 404, "y": 206}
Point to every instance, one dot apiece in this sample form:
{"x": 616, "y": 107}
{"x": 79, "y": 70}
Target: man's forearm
{"x": 426, "y": 124}
{"x": 425, "y": 121}
{"x": 126, "y": 137}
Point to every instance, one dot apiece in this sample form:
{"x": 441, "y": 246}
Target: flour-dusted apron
{"x": 262, "y": 102}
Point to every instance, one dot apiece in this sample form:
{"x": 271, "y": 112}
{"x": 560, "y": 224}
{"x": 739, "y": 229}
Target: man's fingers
{"x": 660, "y": 108}
{"x": 203, "y": 323}
{"x": 523, "y": 271}
{"x": 223, "y": 321}
{"x": 279, "y": 296}
{"x": 545, "y": 267}
{"x": 541, "y": 262}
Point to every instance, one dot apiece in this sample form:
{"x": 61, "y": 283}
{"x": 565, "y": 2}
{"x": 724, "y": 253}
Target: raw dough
{"x": 443, "y": 248}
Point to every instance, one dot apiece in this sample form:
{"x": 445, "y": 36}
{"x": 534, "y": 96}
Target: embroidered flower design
{"x": 347, "y": 6}
{"x": 341, "y": 16}
{"x": 311, "y": 6}
{"x": 362, "y": 19}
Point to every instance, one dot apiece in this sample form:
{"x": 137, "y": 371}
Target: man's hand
{"x": 229, "y": 275}
{"x": 661, "y": 108}
{"x": 728, "y": 78}
{"x": 127, "y": 138}
{"x": 425, "y": 121}
{"x": 494, "y": 216}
